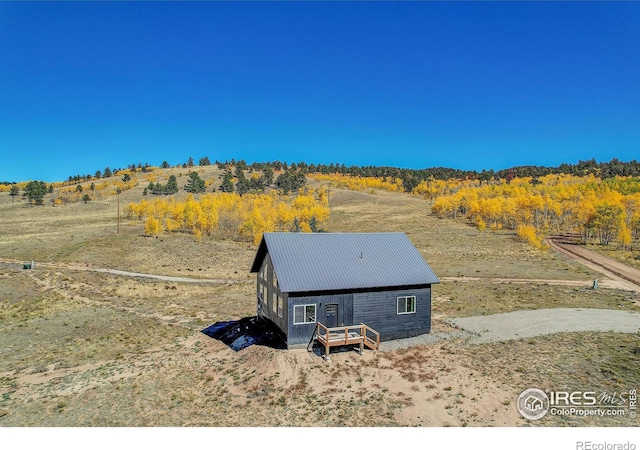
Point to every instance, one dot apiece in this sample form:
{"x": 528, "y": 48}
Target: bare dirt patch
{"x": 527, "y": 324}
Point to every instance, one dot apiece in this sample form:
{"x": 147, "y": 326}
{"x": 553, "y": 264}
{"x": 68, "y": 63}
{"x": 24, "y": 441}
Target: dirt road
{"x": 123, "y": 273}
{"x": 628, "y": 277}
{"x": 604, "y": 283}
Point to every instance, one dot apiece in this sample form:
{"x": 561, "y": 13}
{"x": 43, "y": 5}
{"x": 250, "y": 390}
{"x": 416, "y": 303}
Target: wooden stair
{"x": 361, "y": 335}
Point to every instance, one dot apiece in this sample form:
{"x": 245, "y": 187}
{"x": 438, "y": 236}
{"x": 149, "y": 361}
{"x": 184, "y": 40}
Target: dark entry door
{"x": 331, "y": 315}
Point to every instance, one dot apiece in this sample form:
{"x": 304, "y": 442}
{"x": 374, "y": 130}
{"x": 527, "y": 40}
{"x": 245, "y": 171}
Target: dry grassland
{"x": 80, "y": 348}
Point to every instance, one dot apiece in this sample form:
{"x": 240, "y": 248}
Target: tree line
{"x": 600, "y": 210}
{"x": 410, "y": 177}
{"x": 230, "y": 215}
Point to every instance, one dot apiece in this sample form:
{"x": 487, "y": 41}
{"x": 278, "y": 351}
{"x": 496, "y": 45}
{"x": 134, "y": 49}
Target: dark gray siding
{"x": 268, "y": 294}
{"x": 376, "y": 308}
{"x": 300, "y": 335}
{"x": 379, "y": 311}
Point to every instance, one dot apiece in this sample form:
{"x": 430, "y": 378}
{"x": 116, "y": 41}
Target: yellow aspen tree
{"x": 528, "y": 234}
{"x": 624, "y": 236}
{"x": 151, "y": 226}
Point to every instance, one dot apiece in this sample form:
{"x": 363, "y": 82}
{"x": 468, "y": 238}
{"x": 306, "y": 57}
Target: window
{"x": 276, "y": 295}
{"x": 280, "y": 299}
{"x": 304, "y": 314}
{"x": 407, "y": 305}
{"x": 262, "y": 282}
{"x": 277, "y": 305}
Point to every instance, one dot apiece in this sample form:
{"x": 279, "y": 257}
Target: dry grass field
{"x": 84, "y": 348}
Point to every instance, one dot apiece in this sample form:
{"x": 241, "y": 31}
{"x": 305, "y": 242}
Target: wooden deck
{"x": 360, "y": 335}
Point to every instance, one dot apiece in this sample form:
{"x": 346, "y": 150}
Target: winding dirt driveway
{"x": 628, "y": 277}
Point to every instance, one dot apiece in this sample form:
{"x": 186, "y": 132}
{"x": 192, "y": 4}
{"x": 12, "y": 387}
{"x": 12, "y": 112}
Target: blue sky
{"x": 469, "y": 85}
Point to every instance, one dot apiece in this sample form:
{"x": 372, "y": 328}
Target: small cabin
{"x": 342, "y": 279}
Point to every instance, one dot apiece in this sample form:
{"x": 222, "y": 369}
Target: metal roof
{"x": 307, "y": 262}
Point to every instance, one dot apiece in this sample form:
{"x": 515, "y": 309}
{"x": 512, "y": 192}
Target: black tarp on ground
{"x": 240, "y": 334}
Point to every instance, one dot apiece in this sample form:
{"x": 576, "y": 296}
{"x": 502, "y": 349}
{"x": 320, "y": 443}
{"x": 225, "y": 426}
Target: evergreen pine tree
{"x": 242, "y": 186}
{"x": 268, "y": 176}
{"x": 227, "y": 183}
{"x": 14, "y": 191}
{"x": 290, "y": 181}
{"x": 35, "y": 191}
{"x": 195, "y": 184}
{"x": 172, "y": 185}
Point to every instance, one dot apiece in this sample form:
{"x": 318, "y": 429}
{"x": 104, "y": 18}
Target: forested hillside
{"x": 598, "y": 200}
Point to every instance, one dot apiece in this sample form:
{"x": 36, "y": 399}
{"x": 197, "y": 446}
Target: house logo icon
{"x": 533, "y": 404}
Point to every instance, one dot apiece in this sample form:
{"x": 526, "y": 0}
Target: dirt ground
{"x": 539, "y": 322}
{"x": 83, "y": 346}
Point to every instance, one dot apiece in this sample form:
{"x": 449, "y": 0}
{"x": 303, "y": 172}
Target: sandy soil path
{"x": 603, "y": 283}
{"x": 124, "y": 273}
{"x": 526, "y": 324}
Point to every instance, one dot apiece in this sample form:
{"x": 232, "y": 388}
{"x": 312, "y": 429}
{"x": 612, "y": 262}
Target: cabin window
{"x": 262, "y": 281}
{"x": 276, "y": 295}
{"x": 277, "y": 305}
{"x": 280, "y": 299}
{"x": 304, "y": 314}
{"x": 407, "y": 305}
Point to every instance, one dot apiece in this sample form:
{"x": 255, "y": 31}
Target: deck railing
{"x": 371, "y": 337}
{"x": 361, "y": 335}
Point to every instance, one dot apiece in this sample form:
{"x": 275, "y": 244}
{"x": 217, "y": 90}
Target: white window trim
{"x": 404, "y": 298}
{"x": 315, "y": 314}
